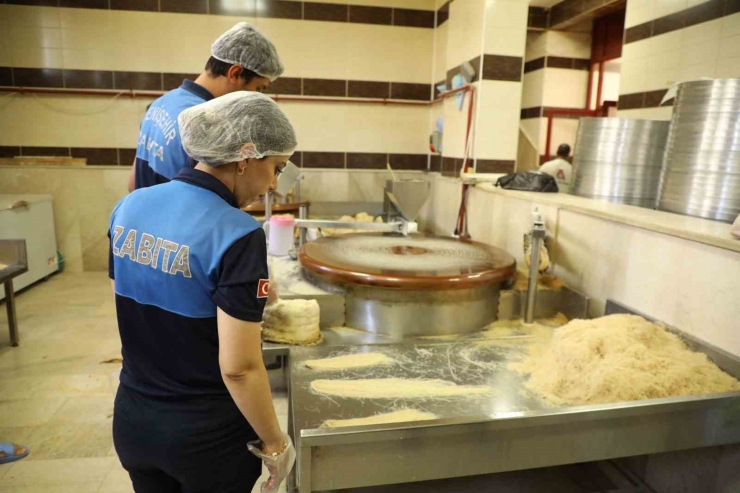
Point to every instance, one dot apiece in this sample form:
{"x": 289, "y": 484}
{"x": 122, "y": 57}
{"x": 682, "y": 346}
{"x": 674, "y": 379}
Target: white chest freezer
{"x": 34, "y": 223}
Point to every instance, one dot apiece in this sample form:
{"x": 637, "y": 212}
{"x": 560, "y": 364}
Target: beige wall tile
{"x": 465, "y": 31}
{"x": 366, "y": 125}
{"x": 730, "y": 25}
{"x": 406, "y": 4}
{"x": 503, "y": 41}
{"x": 440, "y": 52}
{"x": 319, "y": 126}
{"x": 375, "y": 53}
{"x": 21, "y": 15}
{"x": 728, "y": 68}
{"x": 505, "y": 14}
{"x": 532, "y": 88}
{"x": 661, "y": 8}
{"x": 697, "y": 71}
{"x": 497, "y": 136}
{"x": 565, "y": 88}
{"x": 36, "y": 37}
{"x": 325, "y": 186}
{"x": 563, "y": 132}
{"x": 536, "y": 45}
{"x": 405, "y": 129}
{"x": 729, "y": 47}
{"x": 532, "y": 126}
{"x": 638, "y": 12}
{"x": 699, "y": 34}
{"x": 367, "y": 186}
{"x": 101, "y": 57}
{"x": 28, "y": 56}
{"x": 700, "y": 52}
{"x": 455, "y": 124}
{"x": 568, "y": 44}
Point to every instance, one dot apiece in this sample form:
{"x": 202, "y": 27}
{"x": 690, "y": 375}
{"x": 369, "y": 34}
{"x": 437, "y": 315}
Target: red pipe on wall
{"x": 155, "y": 94}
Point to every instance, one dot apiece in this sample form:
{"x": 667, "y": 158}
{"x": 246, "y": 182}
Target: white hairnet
{"x": 234, "y": 127}
{"x": 244, "y": 45}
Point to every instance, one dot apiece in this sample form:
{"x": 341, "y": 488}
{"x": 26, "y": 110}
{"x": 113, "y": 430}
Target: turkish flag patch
{"x": 263, "y": 288}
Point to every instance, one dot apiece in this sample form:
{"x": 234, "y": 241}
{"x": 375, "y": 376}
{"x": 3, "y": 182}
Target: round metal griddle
{"x": 411, "y": 263}
{"x": 409, "y": 286}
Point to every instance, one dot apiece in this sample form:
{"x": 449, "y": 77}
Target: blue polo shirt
{"x": 179, "y": 251}
{"x": 159, "y": 152}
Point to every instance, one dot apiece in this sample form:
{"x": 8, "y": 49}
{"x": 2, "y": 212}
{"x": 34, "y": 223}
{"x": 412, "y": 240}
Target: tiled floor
{"x": 55, "y": 394}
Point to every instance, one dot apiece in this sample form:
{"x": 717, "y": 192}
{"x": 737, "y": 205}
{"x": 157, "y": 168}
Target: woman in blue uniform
{"x": 189, "y": 271}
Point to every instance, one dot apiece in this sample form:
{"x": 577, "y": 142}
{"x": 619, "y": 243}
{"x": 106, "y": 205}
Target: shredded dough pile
{"x": 292, "y": 322}
{"x": 402, "y": 416}
{"x": 618, "y": 358}
{"x": 396, "y": 388}
{"x": 359, "y": 360}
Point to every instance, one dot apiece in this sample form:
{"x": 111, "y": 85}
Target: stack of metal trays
{"x": 619, "y": 160}
{"x": 702, "y": 162}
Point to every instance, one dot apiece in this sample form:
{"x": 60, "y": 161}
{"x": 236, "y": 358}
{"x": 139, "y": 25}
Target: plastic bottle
{"x": 282, "y": 238}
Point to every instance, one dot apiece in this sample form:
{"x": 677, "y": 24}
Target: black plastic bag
{"x": 528, "y": 182}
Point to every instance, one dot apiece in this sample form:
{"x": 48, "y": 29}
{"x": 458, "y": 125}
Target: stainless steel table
{"x": 507, "y": 430}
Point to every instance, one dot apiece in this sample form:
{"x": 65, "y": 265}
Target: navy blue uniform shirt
{"x": 177, "y": 252}
{"x": 159, "y": 152}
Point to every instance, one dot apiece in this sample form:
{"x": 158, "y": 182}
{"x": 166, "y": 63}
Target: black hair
{"x": 217, "y": 68}
{"x": 564, "y": 150}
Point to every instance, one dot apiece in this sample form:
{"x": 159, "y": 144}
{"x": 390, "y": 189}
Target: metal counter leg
{"x": 10, "y": 306}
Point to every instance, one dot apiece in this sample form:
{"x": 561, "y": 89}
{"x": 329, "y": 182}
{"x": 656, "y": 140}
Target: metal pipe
{"x": 538, "y": 236}
{"x": 155, "y": 94}
{"x": 302, "y": 214}
{"x": 600, "y": 86}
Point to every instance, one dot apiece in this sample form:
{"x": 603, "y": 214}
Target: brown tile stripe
{"x": 495, "y": 67}
{"x": 639, "y": 100}
{"x": 494, "y": 165}
{"x": 443, "y": 13}
{"x": 305, "y": 159}
{"x": 451, "y": 166}
{"x": 704, "y": 12}
{"x": 94, "y": 155}
{"x": 557, "y": 62}
{"x": 435, "y": 163}
{"x": 537, "y": 18}
{"x": 152, "y": 81}
{"x": 276, "y": 9}
{"x": 541, "y": 112}
{"x": 540, "y": 18}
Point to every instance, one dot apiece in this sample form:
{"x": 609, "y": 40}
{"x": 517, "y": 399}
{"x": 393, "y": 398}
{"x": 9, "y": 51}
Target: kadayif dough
{"x": 402, "y": 416}
{"x": 348, "y": 361}
{"x": 396, "y": 388}
{"x": 291, "y": 322}
{"x": 618, "y": 358}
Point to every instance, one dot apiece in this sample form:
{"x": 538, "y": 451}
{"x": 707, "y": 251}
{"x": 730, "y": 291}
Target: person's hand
{"x": 279, "y": 466}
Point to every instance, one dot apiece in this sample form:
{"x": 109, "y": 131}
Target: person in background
{"x": 560, "y": 169}
{"x": 242, "y": 59}
{"x": 189, "y": 273}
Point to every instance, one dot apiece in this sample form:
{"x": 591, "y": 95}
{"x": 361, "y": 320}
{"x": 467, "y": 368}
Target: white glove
{"x": 279, "y": 466}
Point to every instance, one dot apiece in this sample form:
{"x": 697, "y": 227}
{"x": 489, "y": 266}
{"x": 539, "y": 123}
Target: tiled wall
{"x": 82, "y": 199}
{"x": 359, "y": 49}
{"x": 608, "y": 260}
{"x": 490, "y": 34}
{"x": 555, "y": 77}
{"x": 676, "y": 41}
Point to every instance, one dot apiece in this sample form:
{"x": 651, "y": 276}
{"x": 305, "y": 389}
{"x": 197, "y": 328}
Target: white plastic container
{"x": 282, "y": 237}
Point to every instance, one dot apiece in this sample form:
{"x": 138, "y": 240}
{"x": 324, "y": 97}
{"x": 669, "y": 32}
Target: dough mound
{"x": 396, "y": 388}
{"x": 402, "y": 416}
{"x": 292, "y": 322}
{"x": 360, "y": 360}
{"x": 619, "y": 358}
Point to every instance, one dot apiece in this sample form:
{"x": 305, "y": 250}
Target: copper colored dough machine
{"x": 408, "y": 286}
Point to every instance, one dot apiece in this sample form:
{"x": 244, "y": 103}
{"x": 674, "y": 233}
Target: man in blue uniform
{"x": 189, "y": 272}
{"x": 242, "y": 59}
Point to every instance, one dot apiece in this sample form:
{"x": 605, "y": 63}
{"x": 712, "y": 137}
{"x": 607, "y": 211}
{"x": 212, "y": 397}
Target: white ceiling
{"x": 544, "y": 3}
